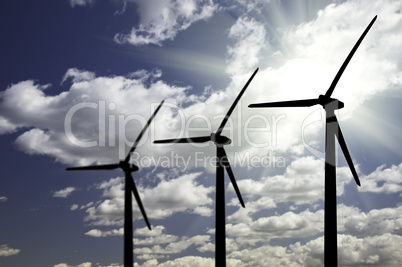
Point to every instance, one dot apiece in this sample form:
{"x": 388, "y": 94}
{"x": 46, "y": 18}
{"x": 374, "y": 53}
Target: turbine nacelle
{"x": 126, "y": 166}
{"x": 330, "y": 103}
{"x": 220, "y": 140}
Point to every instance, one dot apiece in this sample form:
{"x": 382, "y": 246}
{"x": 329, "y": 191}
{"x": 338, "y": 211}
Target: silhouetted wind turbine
{"x": 127, "y": 168}
{"x": 222, "y": 162}
{"x": 332, "y": 130}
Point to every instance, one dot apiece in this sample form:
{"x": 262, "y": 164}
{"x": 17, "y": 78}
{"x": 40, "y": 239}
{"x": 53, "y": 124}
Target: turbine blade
{"x": 224, "y": 121}
{"x": 345, "y": 151}
{"x": 282, "y": 104}
{"x": 95, "y": 167}
{"x": 346, "y": 62}
{"x": 142, "y": 133}
{"x": 201, "y": 139}
{"x": 138, "y": 199}
{"x": 226, "y": 164}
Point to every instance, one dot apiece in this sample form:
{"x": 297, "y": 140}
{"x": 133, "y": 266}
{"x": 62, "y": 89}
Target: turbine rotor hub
{"x": 128, "y": 166}
{"x": 330, "y": 103}
{"x": 220, "y": 139}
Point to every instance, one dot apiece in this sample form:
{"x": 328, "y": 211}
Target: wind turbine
{"x": 222, "y": 163}
{"x": 332, "y": 130}
{"x": 127, "y": 168}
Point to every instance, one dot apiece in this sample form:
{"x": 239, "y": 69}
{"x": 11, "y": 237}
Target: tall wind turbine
{"x": 222, "y": 163}
{"x": 127, "y": 168}
{"x": 332, "y": 130}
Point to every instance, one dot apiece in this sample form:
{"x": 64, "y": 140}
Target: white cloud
{"x": 203, "y": 211}
{"x": 184, "y": 261}
{"x": 6, "y": 126}
{"x": 64, "y": 193}
{"x": 154, "y": 237}
{"x": 177, "y": 195}
{"x": 78, "y": 75}
{"x": 301, "y": 183}
{"x": 371, "y": 251}
{"x": 74, "y": 207}
{"x": 375, "y": 222}
{"x": 302, "y": 53}
{"x": 242, "y": 215}
{"x": 250, "y": 37}
{"x": 287, "y": 225}
{"x": 173, "y": 247}
{"x": 100, "y": 233}
{"x": 85, "y": 264}
{"x": 183, "y": 194}
{"x": 383, "y": 180}
{"x": 3, "y": 199}
{"x": 160, "y": 21}
{"x": 74, "y": 3}
{"x": 63, "y": 125}
{"x": 5, "y": 251}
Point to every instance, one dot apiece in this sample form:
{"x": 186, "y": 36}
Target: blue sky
{"x": 80, "y": 78}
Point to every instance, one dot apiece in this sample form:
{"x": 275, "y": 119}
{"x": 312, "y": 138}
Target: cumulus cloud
{"x": 182, "y": 194}
{"x": 77, "y": 75}
{"x": 27, "y": 106}
{"x": 173, "y": 247}
{"x": 64, "y": 193}
{"x": 94, "y": 113}
{"x": 250, "y": 40}
{"x": 373, "y": 251}
{"x": 287, "y": 225}
{"x": 384, "y": 180}
{"x": 5, "y": 251}
{"x": 375, "y": 222}
{"x": 301, "y": 183}
{"x": 160, "y": 21}
{"x": 100, "y": 233}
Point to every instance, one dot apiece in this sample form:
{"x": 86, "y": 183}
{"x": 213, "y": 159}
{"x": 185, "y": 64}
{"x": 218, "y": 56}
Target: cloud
{"x": 5, "y": 251}
{"x": 351, "y": 220}
{"x": 184, "y": 261}
{"x": 173, "y": 247}
{"x": 154, "y": 237}
{"x": 3, "y": 199}
{"x": 287, "y": 225}
{"x": 64, "y": 193}
{"x": 182, "y": 194}
{"x": 85, "y": 264}
{"x": 73, "y": 125}
{"x": 301, "y": 183}
{"x": 100, "y": 233}
{"x": 375, "y": 222}
{"x": 28, "y": 107}
{"x": 74, "y": 3}
{"x": 383, "y": 180}
{"x": 77, "y": 75}
{"x": 178, "y": 195}
{"x": 372, "y": 251}
{"x": 160, "y": 21}
{"x": 250, "y": 40}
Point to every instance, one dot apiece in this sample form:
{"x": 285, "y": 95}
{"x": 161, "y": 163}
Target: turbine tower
{"x": 127, "y": 168}
{"x": 222, "y": 163}
{"x": 332, "y": 130}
